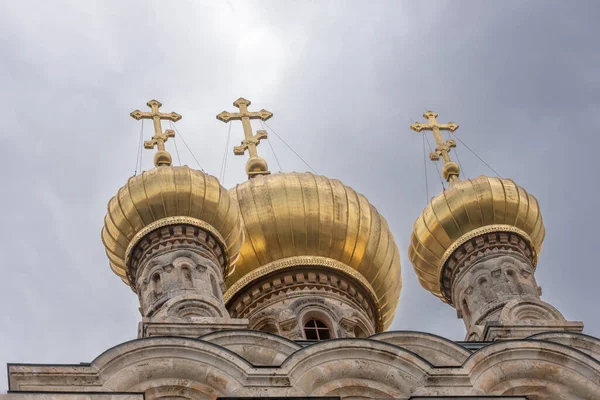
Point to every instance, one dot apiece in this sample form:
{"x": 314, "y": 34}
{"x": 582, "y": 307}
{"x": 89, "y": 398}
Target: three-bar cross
{"x": 162, "y": 157}
{"x": 250, "y": 141}
{"x": 451, "y": 169}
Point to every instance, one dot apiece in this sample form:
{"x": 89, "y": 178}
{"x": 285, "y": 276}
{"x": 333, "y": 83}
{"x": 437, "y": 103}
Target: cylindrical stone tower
{"x": 476, "y": 245}
{"x": 172, "y": 234}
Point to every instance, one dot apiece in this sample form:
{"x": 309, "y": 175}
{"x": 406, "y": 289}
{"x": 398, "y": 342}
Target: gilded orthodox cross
{"x": 158, "y": 140}
{"x": 451, "y": 170}
{"x": 255, "y": 165}
{"x": 162, "y": 157}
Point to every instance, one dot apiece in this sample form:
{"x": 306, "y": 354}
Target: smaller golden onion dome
{"x": 468, "y": 209}
{"x": 164, "y": 196}
{"x": 289, "y": 216}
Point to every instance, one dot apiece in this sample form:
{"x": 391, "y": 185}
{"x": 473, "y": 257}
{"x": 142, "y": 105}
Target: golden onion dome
{"x": 291, "y": 215}
{"x": 468, "y": 209}
{"x": 164, "y": 196}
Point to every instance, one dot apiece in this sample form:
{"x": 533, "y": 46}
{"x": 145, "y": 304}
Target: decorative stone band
{"x": 170, "y": 222}
{"x": 490, "y": 236}
{"x": 299, "y": 261}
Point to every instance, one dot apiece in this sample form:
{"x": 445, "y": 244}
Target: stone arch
{"x": 485, "y": 287}
{"x": 351, "y": 389}
{"x": 582, "y": 342}
{"x": 437, "y": 350}
{"x": 258, "y": 348}
{"x": 186, "y": 277}
{"x": 268, "y": 326}
{"x": 157, "y": 284}
{"x": 331, "y": 365}
{"x": 515, "y": 366}
{"x": 529, "y": 310}
{"x": 188, "y": 306}
{"x": 173, "y": 363}
{"x": 312, "y": 311}
{"x": 164, "y": 389}
{"x": 359, "y": 332}
{"x": 512, "y": 276}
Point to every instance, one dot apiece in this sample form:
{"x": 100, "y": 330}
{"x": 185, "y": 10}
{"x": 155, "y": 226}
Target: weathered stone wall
{"x": 398, "y": 365}
{"x": 179, "y": 274}
{"x": 493, "y": 288}
{"x": 282, "y": 303}
{"x": 72, "y": 396}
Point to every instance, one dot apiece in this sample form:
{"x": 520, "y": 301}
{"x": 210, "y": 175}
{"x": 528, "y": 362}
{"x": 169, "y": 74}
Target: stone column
{"x": 178, "y": 276}
{"x": 490, "y": 281}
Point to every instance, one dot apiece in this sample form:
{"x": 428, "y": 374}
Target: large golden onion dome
{"x": 164, "y": 196}
{"x": 468, "y": 209}
{"x": 291, "y": 215}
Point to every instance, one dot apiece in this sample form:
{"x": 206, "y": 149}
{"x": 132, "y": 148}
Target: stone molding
{"x": 199, "y": 327}
{"x": 477, "y": 249}
{"x": 294, "y": 281}
{"x": 179, "y": 236}
{"x": 500, "y": 330}
{"x": 291, "y": 262}
{"x": 584, "y": 343}
{"x": 163, "y": 366}
{"x": 180, "y": 284}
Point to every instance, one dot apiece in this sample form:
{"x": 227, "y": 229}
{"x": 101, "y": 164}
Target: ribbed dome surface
{"x": 165, "y": 192}
{"x": 467, "y": 208}
{"x": 301, "y": 214}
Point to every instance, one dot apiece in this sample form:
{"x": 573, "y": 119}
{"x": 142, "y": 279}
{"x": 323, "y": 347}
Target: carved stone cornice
{"x": 293, "y": 281}
{"x": 479, "y": 248}
{"x": 173, "y": 236}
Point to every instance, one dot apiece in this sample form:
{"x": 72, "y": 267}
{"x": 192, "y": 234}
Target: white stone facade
{"x": 398, "y": 365}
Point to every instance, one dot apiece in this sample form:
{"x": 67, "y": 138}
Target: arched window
{"x": 515, "y": 285}
{"x": 156, "y": 284}
{"x": 316, "y": 330}
{"x": 486, "y": 290}
{"x": 187, "y": 278}
{"x": 215, "y": 287}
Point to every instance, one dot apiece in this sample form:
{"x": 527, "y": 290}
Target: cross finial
{"x": 255, "y": 165}
{"x": 451, "y": 170}
{"x": 162, "y": 157}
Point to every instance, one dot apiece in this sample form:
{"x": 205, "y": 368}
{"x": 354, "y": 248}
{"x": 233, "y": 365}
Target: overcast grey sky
{"x": 344, "y": 81}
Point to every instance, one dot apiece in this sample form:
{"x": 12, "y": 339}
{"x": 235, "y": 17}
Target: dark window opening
{"x": 188, "y": 283}
{"x": 316, "y": 330}
{"x": 156, "y": 284}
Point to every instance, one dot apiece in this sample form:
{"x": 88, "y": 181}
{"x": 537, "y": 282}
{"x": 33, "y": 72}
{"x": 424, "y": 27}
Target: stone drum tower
{"x": 475, "y": 246}
{"x": 171, "y": 234}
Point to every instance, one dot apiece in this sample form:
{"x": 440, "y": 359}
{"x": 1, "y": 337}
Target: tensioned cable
{"x": 138, "y": 159}
{"x": 425, "y": 169}
{"x": 289, "y": 147}
{"x": 271, "y": 146}
{"x": 436, "y": 164}
{"x": 177, "y": 151}
{"x": 458, "y": 158}
{"x": 186, "y": 145}
{"x": 224, "y": 161}
{"x": 480, "y": 159}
